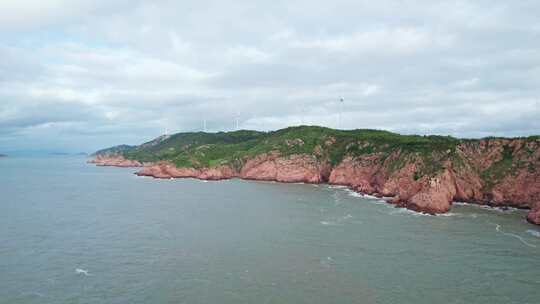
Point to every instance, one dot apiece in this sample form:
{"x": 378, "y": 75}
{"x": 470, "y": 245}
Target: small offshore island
{"x": 421, "y": 173}
{"x": 3, "y": 155}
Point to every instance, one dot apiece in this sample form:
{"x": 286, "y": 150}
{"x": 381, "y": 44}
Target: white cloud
{"x": 468, "y": 82}
{"x": 246, "y": 54}
{"x": 95, "y": 73}
{"x": 395, "y": 41}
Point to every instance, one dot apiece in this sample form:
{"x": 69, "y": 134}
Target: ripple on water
{"x": 521, "y": 239}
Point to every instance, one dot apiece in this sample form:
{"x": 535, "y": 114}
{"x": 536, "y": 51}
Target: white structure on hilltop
{"x": 341, "y": 101}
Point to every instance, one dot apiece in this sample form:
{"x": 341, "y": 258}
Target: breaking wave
{"x": 337, "y": 222}
{"x": 405, "y": 211}
{"x": 82, "y": 271}
{"x": 535, "y": 233}
{"x": 486, "y": 207}
{"x": 329, "y": 223}
{"x": 498, "y": 229}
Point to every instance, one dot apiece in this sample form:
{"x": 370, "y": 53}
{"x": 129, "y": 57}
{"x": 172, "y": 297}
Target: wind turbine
{"x": 341, "y": 101}
{"x": 303, "y": 116}
{"x": 237, "y": 121}
{"x": 204, "y": 125}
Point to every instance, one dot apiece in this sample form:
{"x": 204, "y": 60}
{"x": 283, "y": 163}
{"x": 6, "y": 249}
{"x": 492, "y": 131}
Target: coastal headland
{"x": 421, "y": 173}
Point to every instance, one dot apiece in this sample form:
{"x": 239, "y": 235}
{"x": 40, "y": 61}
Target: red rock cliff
{"x": 480, "y": 173}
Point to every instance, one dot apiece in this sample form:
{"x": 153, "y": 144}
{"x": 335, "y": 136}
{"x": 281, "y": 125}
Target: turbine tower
{"x": 237, "y": 121}
{"x": 340, "y": 112}
{"x": 204, "y": 125}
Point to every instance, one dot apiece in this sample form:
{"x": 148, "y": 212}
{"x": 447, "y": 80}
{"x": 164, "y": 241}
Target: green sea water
{"x": 75, "y": 233}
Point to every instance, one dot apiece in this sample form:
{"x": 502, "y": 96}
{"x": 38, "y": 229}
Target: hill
{"x": 423, "y": 173}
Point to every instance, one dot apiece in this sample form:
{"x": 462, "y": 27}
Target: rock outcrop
{"x": 534, "y": 215}
{"x": 497, "y": 172}
{"x": 114, "y": 161}
{"x": 292, "y": 169}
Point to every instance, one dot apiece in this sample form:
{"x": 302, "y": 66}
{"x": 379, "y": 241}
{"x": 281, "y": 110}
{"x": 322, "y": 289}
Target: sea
{"x": 71, "y": 232}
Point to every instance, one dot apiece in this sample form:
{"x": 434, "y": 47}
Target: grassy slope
{"x": 199, "y": 149}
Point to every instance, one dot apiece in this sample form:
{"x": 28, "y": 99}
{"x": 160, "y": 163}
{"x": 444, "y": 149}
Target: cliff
{"x": 422, "y": 173}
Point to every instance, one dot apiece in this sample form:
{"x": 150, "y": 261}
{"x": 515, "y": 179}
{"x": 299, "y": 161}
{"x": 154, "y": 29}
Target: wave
{"x": 405, "y": 211}
{"x": 449, "y": 214}
{"x": 535, "y": 233}
{"x": 521, "y": 239}
{"x": 353, "y": 193}
{"x": 329, "y": 223}
{"x": 362, "y": 195}
{"x": 337, "y": 187}
{"x": 503, "y": 209}
{"x": 338, "y": 222}
{"x": 82, "y": 271}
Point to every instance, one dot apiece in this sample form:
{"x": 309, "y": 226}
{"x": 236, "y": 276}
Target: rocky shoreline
{"x": 370, "y": 175}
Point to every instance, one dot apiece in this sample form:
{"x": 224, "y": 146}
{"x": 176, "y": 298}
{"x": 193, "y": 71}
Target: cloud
{"x": 80, "y": 75}
{"x": 392, "y": 41}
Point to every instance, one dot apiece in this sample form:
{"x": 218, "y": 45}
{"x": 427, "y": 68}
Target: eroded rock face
{"x": 295, "y": 168}
{"x": 357, "y": 173}
{"x": 435, "y": 196}
{"x": 166, "y": 170}
{"x": 534, "y": 215}
{"x": 375, "y": 174}
{"x": 114, "y": 161}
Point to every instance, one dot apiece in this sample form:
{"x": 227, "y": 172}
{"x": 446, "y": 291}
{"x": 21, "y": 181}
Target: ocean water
{"x": 75, "y": 233}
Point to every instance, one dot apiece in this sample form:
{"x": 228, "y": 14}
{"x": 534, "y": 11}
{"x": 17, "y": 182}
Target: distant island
{"x": 3, "y": 155}
{"x": 67, "y": 153}
{"x": 422, "y": 173}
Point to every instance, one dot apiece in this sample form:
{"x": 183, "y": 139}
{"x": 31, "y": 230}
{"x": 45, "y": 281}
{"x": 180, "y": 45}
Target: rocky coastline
{"x": 371, "y": 174}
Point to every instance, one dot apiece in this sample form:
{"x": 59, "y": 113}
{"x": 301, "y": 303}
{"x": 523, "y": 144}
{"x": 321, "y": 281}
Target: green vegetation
{"x": 499, "y": 169}
{"x": 199, "y": 149}
{"x": 115, "y": 150}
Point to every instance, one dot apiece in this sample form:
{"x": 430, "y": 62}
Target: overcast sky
{"x": 79, "y": 75}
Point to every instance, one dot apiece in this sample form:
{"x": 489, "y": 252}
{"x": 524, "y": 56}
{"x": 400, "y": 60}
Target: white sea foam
{"x": 498, "y": 229}
{"x": 535, "y": 233}
{"x": 449, "y": 214}
{"x": 353, "y": 193}
{"x": 338, "y": 222}
{"x": 337, "y": 187}
{"x": 82, "y": 271}
{"x": 370, "y": 196}
{"x": 348, "y": 216}
{"x": 329, "y": 223}
{"x": 362, "y": 195}
{"x": 486, "y": 207}
{"x": 405, "y": 211}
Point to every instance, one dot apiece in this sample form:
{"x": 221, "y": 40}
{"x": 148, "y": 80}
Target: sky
{"x": 80, "y": 75}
